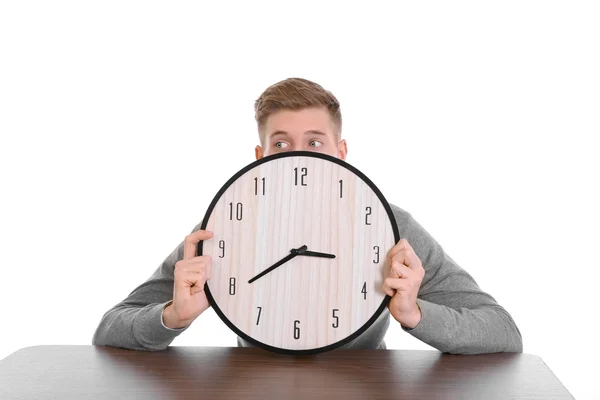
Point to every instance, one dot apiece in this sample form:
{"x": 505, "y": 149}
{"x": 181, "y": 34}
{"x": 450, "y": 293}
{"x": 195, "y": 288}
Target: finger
{"x": 400, "y": 246}
{"x": 196, "y": 289}
{"x": 199, "y": 263}
{"x": 399, "y": 270}
{"x": 397, "y": 247}
{"x": 404, "y": 253}
{"x": 207, "y": 270}
{"x": 392, "y": 285}
{"x": 191, "y": 242}
{"x": 191, "y": 279}
{"x": 196, "y": 274}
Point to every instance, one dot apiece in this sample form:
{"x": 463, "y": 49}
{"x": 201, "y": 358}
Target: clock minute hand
{"x": 317, "y": 254}
{"x": 293, "y": 253}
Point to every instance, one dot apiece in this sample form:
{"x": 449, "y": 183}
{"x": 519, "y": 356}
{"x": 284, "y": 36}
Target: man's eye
{"x": 314, "y": 143}
{"x": 281, "y": 145}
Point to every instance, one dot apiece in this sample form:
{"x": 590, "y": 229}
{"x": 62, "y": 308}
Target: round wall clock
{"x": 298, "y": 252}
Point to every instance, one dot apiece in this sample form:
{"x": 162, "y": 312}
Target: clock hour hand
{"x": 317, "y": 254}
{"x": 293, "y": 253}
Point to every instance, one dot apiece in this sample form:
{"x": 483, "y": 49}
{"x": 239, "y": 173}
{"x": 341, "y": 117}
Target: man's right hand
{"x": 191, "y": 273}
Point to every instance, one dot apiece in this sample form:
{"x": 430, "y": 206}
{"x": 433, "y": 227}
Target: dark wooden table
{"x": 88, "y": 372}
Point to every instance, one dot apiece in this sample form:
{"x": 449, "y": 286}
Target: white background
{"x": 120, "y": 121}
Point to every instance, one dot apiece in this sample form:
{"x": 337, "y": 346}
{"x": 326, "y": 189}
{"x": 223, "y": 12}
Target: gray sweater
{"x": 457, "y": 316}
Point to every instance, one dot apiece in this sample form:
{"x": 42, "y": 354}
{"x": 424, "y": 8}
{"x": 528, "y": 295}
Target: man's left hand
{"x": 403, "y": 282}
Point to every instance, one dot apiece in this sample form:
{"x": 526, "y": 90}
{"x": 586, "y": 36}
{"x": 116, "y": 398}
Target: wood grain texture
{"x": 300, "y": 296}
{"x": 88, "y": 372}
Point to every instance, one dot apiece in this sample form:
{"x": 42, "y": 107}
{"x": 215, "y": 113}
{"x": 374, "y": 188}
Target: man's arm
{"x": 137, "y": 323}
{"x": 456, "y": 315}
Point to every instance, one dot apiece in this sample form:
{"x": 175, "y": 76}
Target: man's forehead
{"x": 296, "y": 124}
{"x": 307, "y": 116}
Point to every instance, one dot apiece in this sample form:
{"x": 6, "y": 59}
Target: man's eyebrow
{"x": 278, "y": 133}
{"x": 313, "y": 132}
{"x": 310, "y": 132}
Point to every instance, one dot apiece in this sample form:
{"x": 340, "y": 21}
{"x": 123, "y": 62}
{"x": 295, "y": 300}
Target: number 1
{"x": 256, "y": 186}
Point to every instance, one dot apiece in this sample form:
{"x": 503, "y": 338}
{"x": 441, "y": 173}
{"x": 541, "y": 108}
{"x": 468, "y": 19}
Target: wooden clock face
{"x": 308, "y": 207}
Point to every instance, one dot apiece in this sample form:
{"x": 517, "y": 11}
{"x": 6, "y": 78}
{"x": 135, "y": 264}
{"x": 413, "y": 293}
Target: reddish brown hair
{"x": 295, "y": 94}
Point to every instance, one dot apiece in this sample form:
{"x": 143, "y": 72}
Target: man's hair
{"x": 295, "y": 94}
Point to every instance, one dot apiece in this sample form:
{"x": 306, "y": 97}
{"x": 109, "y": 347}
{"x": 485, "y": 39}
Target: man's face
{"x": 309, "y": 129}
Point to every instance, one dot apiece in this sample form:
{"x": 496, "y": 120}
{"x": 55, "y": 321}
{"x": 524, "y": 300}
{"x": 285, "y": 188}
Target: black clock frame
{"x": 210, "y": 209}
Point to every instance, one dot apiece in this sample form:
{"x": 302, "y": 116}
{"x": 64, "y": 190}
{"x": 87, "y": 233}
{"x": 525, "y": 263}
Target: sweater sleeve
{"x": 136, "y": 322}
{"x": 457, "y": 316}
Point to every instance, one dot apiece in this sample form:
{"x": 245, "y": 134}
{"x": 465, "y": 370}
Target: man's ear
{"x": 259, "y": 152}
{"x": 343, "y": 149}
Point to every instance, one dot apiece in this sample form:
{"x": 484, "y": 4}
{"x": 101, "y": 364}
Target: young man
{"x": 433, "y": 298}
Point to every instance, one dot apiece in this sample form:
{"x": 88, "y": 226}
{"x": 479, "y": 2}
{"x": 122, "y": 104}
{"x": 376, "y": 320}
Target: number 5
{"x": 336, "y": 318}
